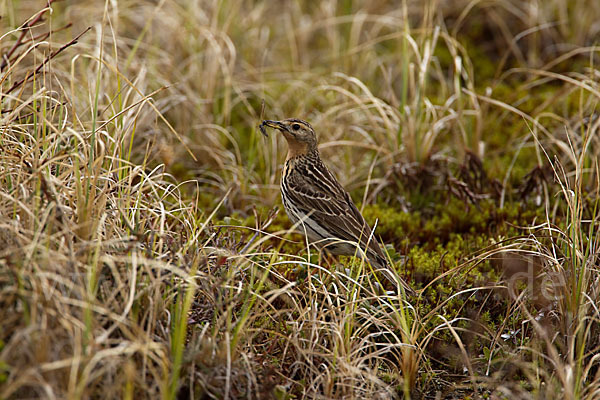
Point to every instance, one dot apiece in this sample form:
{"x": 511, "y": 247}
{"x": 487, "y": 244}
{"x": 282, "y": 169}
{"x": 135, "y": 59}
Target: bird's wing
{"x": 320, "y": 195}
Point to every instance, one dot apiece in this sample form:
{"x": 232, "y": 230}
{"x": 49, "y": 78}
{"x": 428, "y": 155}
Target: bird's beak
{"x": 271, "y": 124}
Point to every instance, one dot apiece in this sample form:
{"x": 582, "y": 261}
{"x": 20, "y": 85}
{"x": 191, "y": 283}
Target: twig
{"x": 41, "y": 36}
{"x": 25, "y": 28}
{"x": 51, "y": 56}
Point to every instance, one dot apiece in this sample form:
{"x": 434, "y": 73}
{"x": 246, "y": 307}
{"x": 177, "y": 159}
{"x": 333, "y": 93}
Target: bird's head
{"x": 299, "y": 134}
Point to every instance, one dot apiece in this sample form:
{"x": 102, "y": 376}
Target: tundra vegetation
{"x": 143, "y": 253}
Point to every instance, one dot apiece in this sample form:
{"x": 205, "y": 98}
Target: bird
{"x": 319, "y": 206}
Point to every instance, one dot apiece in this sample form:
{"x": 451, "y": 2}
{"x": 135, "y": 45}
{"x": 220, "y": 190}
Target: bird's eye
{"x": 295, "y": 127}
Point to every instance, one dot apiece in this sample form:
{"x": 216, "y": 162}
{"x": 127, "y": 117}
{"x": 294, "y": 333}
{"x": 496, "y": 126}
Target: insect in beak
{"x": 263, "y": 130}
{"x": 270, "y": 124}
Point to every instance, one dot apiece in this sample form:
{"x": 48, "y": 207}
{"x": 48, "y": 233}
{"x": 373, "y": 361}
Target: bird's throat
{"x": 297, "y": 148}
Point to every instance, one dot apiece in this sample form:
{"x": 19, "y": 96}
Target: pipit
{"x": 319, "y": 206}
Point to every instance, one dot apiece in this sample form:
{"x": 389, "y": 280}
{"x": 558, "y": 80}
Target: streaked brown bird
{"x": 314, "y": 199}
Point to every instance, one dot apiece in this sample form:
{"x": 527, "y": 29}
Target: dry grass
{"x": 129, "y": 159}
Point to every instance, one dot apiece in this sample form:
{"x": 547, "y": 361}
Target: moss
{"x": 446, "y": 222}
